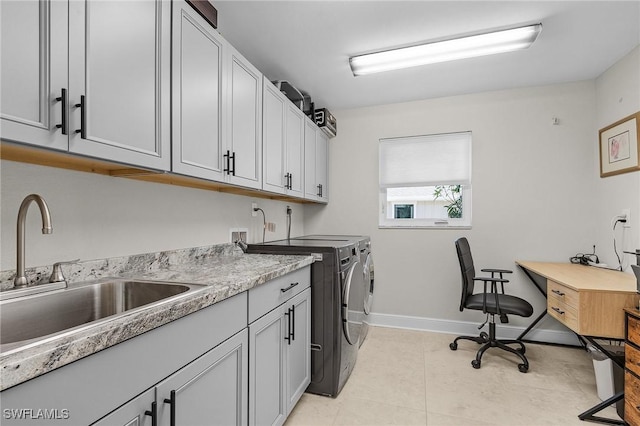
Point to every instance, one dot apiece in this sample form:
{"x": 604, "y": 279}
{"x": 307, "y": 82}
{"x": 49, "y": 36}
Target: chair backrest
{"x": 466, "y": 269}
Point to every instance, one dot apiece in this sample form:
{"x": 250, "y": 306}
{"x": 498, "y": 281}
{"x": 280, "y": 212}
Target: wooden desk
{"x": 588, "y": 300}
{"x": 591, "y": 302}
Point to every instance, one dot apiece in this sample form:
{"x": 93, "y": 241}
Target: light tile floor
{"x": 405, "y": 377}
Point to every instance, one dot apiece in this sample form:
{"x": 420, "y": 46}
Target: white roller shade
{"x": 426, "y": 160}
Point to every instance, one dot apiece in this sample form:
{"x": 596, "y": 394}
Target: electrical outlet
{"x": 627, "y": 215}
{"x": 238, "y": 234}
{"x": 254, "y": 206}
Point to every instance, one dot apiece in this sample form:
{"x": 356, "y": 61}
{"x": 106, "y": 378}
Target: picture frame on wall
{"x": 620, "y": 147}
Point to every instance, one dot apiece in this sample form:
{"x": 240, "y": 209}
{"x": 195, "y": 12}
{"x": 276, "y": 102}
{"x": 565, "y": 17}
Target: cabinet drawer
{"x": 562, "y": 294}
{"x": 631, "y": 399}
{"x": 633, "y": 330}
{"x": 270, "y": 295}
{"x": 632, "y": 359}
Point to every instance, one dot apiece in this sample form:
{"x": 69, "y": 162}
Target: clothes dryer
{"x": 366, "y": 258}
{"x": 336, "y": 305}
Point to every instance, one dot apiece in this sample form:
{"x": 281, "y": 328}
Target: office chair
{"x": 491, "y": 302}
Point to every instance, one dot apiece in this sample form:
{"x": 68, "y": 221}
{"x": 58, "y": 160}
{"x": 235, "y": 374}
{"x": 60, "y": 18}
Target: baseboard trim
{"x": 504, "y": 331}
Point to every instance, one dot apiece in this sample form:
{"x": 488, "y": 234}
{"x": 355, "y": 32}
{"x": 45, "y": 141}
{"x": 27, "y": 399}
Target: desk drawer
{"x": 568, "y": 315}
{"x": 563, "y": 294}
{"x": 631, "y": 399}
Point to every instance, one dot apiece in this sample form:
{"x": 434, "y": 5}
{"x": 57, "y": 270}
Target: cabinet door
{"x": 119, "y": 69}
{"x": 267, "y": 403}
{"x": 33, "y": 71}
{"x": 137, "y": 412}
{"x": 310, "y": 184}
{"x": 198, "y": 93}
{"x": 298, "y": 348}
{"x": 245, "y": 120}
{"x": 294, "y": 151}
{"x": 274, "y": 134}
{"x": 209, "y": 391}
{"x": 322, "y": 165}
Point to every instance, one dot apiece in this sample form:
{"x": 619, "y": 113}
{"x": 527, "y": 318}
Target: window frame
{"x": 465, "y": 222}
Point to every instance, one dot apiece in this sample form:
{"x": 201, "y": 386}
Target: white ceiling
{"x": 308, "y": 43}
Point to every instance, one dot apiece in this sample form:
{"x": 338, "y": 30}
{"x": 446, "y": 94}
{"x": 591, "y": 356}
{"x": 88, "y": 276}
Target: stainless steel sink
{"x": 44, "y": 314}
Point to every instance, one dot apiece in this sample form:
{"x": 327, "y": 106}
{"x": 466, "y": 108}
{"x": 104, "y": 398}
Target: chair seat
{"x": 509, "y": 305}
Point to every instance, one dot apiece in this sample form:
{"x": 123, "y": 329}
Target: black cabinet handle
{"x": 63, "y": 99}
{"x": 319, "y": 194}
{"x": 153, "y": 413}
{"x": 558, "y": 310}
{"x": 284, "y": 290}
{"x": 233, "y": 163}
{"x": 293, "y": 322}
{"x": 226, "y": 159}
{"x": 172, "y": 403}
{"x": 558, "y": 292}
{"x": 287, "y": 335}
{"x": 83, "y": 126}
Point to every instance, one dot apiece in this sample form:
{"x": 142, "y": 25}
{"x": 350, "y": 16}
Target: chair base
{"x": 489, "y": 341}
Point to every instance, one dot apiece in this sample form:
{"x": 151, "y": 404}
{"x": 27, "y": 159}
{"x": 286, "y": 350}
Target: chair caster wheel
{"x": 475, "y": 364}
{"x": 453, "y": 346}
{"x": 523, "y": 368}
{"x": 522, "y": 350}
{"x": 484, "y": 336}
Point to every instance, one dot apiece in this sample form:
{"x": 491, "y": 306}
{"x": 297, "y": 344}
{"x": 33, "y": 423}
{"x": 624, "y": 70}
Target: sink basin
{"x": 44, "y": 314}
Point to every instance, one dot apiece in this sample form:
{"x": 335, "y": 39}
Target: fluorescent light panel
{"x": 448, "y": 50}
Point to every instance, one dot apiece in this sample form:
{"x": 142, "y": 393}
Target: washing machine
{"x": 366, "y": 258}
{"x": 337, "y": 304}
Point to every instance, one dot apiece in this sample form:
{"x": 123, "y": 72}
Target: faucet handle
{"x": 57, "y": 275}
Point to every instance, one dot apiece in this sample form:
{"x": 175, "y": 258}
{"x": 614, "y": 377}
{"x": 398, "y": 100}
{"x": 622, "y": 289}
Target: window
{"x": 403, "y": 211}
{"x": 425, "y": 181}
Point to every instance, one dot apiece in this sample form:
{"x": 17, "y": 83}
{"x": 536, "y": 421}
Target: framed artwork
{"x": 619, "y": 146}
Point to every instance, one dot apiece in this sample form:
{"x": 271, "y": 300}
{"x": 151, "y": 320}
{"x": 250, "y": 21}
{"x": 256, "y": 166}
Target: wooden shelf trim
{"x": 63, "y": 160}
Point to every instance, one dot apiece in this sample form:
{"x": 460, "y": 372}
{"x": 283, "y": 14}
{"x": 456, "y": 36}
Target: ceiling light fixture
{"x": 448, "y": 50}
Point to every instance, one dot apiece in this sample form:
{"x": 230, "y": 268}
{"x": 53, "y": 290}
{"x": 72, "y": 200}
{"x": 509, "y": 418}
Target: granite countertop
{"x": 224, "y": 270}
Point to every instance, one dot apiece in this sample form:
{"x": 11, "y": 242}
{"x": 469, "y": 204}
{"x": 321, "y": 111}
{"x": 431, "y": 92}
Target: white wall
{"x": 531, "y": 193}
{"x": 97, "y": 216}
{"x": 618, "y": 96}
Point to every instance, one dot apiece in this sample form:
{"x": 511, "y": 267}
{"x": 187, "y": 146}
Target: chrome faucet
{"x": 21, "y": 279}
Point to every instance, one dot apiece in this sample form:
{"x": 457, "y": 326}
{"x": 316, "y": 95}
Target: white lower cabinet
{"x": 207, "y": 368}
{"x": 202, "y": 356}
{"x": 209, "y": 391}
{"x": 279, "y": 348}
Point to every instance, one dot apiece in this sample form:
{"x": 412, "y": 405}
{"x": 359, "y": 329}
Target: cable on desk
{"x": 616, "y": 220}
{"x": 584, "y": 259}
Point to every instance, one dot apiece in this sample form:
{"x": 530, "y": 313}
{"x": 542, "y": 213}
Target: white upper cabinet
{"x": 244, "y": 107}
{"x": 119, "y": 81}
{"x": 322, "y": 165}
{"x": 217, "y": 105}
{"x": 151, "y": 84}
{"x": 198, "y": 93}
{"x": 34, "y": 72}
{"x": 283, "y": 144}
{"x": 316, "y": 154}
{"x": 294, "y": 152}
{"x": 274, "y": 134}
